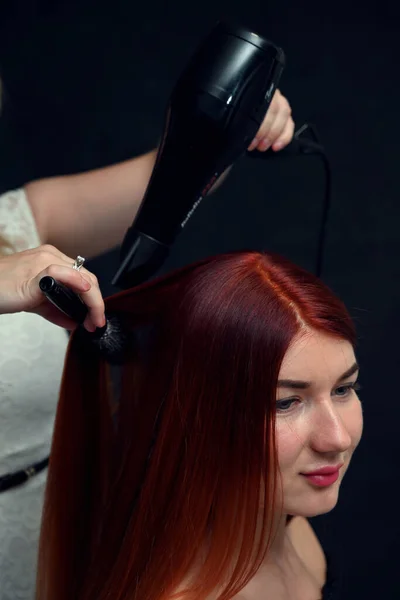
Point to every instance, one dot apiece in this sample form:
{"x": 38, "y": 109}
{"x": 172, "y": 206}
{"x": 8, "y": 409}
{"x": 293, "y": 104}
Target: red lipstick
{"x": 323, "y": 477}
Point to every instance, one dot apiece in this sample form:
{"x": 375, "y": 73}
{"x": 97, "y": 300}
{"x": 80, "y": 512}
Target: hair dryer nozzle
{"x": 144, "y": 257}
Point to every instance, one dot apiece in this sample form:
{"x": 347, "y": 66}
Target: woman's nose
{"x": 329, "y": 432}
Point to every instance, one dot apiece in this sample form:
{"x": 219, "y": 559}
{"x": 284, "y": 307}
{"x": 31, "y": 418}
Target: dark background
{"x": 86, "y": 86}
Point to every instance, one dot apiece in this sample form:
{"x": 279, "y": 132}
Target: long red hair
{"x": 164, "y": 493}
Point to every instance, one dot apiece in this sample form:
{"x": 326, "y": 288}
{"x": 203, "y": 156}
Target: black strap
{"x": 12, "y": 480}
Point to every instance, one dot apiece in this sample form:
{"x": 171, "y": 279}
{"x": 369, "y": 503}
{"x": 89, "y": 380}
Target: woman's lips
{"x": 323, "y": 477}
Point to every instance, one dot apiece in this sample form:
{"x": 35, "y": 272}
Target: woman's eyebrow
{"x": 293, "y": 384}
{"x": 354, "y": 369}
{"x": 304, "y": 385}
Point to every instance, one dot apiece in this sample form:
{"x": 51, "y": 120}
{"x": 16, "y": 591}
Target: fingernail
{"x": 277, "y": 146}
{"x": 264, "y": 145}
{"x": 253, "y": 144}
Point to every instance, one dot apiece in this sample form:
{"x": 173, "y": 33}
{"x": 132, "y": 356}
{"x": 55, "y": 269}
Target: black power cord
{"x": 309, "y": 144}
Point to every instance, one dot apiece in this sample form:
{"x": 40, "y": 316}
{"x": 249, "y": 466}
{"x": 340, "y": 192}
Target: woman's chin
{"x": 314, "y": 503}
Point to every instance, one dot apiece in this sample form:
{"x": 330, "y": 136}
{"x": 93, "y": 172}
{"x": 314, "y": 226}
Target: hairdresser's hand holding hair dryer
{"x": 73, "y": 214}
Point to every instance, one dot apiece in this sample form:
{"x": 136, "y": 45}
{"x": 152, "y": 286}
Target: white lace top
{"x": 32, "y": 354}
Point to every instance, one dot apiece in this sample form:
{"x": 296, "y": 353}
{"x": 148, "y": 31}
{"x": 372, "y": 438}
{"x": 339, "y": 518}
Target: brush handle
{"x": 64, "y": 299}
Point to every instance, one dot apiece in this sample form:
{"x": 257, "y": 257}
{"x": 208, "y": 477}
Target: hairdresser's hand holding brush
{"x": 20, "y": 274}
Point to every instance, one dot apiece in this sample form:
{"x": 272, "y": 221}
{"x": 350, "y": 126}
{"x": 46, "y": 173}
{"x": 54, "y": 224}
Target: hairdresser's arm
{"x": 89, "y": 213}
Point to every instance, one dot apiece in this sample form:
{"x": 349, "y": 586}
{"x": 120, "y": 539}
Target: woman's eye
{"x": 345, "y": 390}
{"x": 285, "y": 405}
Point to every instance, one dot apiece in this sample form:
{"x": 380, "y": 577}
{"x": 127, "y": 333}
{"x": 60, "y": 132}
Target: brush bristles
{"x": 112, "y": 342}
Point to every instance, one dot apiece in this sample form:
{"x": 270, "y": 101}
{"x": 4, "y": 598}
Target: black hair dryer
{"x": 215, "y": 110}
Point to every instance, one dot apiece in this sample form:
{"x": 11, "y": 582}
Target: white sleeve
{"x": 18, "y": 229}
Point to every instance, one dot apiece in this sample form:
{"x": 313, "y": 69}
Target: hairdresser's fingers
{"x": 68, "y": 261}
{"x": 42, "y": 257}
{"x": 32, "y": 293}
{"x": 94, "y": 301}
{"x": 84, "y": 283}
{"x": 276, "y": 128}
{"x": 266, "y": 124}
{"x": 49, "y": 254}
{"x": 285, "y": 137}
{"x": 91, "y": 296}
{"x": 278, "y": 115}
{"x": 65, "y": 260}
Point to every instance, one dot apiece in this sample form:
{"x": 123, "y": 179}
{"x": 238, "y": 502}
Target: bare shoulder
{"x": 308, "y": 548}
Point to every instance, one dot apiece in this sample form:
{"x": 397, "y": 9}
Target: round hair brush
{"x": 111, "y": 341}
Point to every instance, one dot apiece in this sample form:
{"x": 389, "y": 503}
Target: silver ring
{"x": 78, "y": 263}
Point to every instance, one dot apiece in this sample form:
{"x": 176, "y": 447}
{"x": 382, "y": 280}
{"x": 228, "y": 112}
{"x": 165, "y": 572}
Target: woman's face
{"x": 318, "y": 421}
